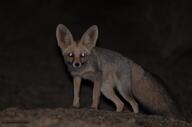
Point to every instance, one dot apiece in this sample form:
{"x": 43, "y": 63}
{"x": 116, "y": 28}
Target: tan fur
{"x": 109, "y": 70}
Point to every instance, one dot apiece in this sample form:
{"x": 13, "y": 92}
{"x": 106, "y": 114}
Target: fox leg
{"x": 77, "y": 84}
{"x": 132, "y": 102}
{"x": 129, "y": 99}
{"x": 96, "y": 94}
{"x": 109, "y": 93}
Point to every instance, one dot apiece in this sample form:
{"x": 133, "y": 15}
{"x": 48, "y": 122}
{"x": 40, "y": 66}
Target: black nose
{"x": 77, "y": 65}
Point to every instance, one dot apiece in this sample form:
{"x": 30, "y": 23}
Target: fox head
{"x": 76, "y": 53}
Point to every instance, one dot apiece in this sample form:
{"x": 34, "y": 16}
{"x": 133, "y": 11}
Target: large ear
{"x": 89, "y": 38}
{"x": 64, "y": 36}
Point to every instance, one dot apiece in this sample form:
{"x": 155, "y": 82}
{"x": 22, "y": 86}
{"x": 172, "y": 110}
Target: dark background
{"x": 155, "y": 34}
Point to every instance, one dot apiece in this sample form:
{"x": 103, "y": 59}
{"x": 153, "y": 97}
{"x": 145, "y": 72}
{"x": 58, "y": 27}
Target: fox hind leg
{"x": 109, "y": 93}
{"x": 129, "y": 98}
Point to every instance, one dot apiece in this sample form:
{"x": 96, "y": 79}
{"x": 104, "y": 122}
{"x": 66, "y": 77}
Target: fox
{"x": 110, "y": 71}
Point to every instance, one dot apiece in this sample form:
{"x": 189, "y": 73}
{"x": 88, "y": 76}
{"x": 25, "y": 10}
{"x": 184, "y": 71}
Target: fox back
{"x": 113, "y": 71}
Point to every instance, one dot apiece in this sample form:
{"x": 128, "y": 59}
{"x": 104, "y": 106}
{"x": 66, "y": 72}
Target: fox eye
{"x": 70, "y": 54}
{"x": 82, "y": 54}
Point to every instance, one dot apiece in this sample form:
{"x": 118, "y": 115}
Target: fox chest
{"x": 89, "y": 74}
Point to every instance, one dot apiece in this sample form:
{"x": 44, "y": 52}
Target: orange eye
{"x": 70, "y": 54}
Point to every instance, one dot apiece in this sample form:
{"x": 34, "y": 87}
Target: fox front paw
{"x": 75, "y": 105}
{"x": 95, "y": 107}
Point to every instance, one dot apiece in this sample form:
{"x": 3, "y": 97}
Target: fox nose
{"x": 76, "y": 65}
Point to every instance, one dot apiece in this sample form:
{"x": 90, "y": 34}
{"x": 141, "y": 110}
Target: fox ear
{"x": 89, "y": 38}
{"x": 64, "y": 36}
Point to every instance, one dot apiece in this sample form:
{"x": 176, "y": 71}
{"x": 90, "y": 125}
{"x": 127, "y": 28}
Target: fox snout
{"x": 76, "y": 64}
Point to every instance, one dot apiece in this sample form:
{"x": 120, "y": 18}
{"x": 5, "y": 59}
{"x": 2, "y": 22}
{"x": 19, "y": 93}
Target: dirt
{"x": 60, "y": 117}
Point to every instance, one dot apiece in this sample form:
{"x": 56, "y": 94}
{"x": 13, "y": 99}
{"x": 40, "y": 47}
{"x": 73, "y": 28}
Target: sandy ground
{"x": 14, "y": 117}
